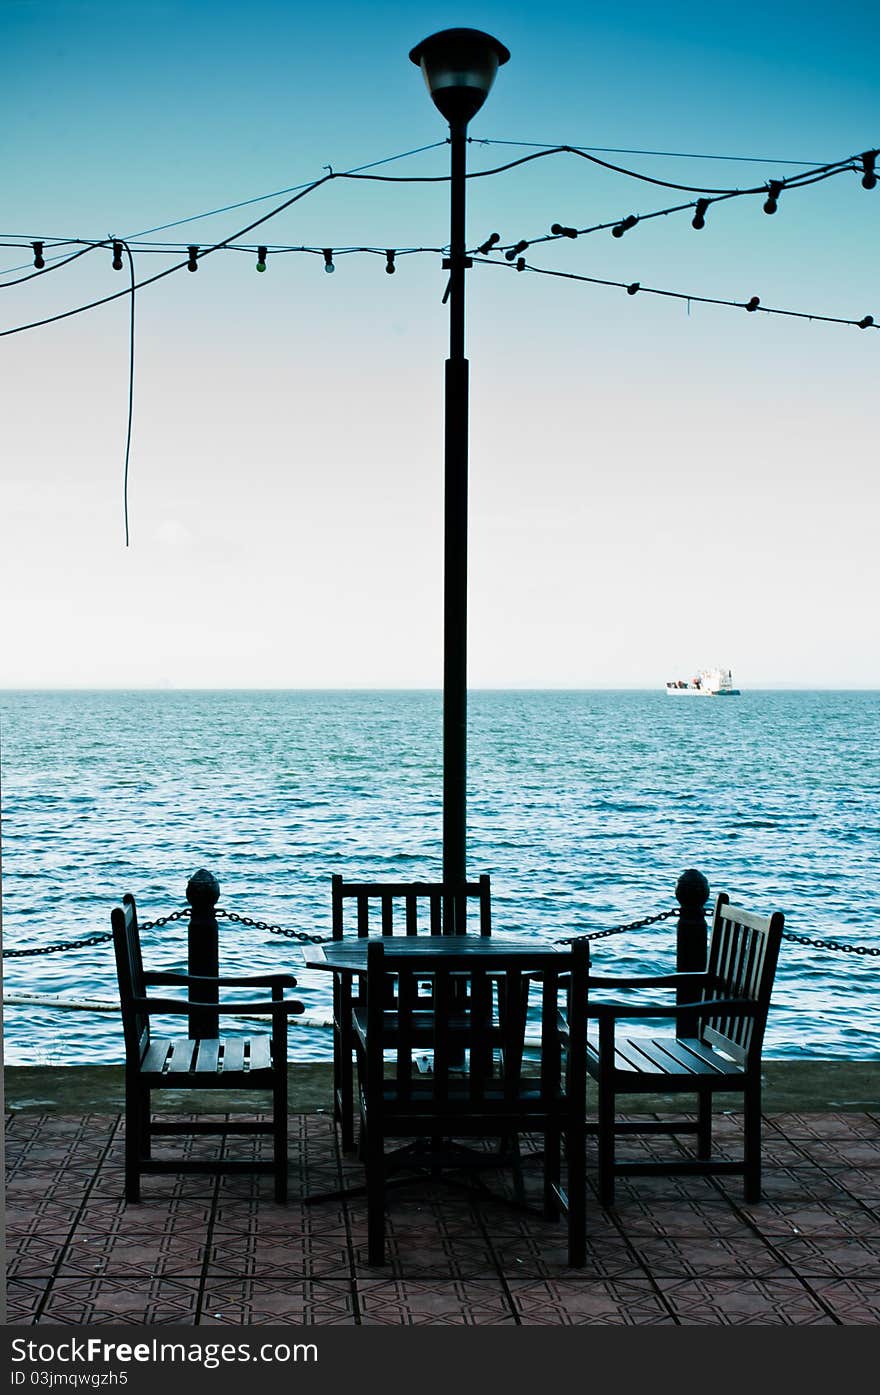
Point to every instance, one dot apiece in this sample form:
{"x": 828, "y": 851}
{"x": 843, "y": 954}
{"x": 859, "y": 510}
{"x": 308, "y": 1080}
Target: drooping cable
{"x": 666, "y": 154}
{"x": 131, "y": 291}
{"x": 279, "y": 193}
{"x": 753, "y": 304}
{"x": 44, "y": 270}
{"x": 169, "y": 270}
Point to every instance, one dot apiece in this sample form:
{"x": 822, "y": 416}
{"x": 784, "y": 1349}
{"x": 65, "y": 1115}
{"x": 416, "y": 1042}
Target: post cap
{"x": 203, "y": 888}
{"x": 692, "y": 889}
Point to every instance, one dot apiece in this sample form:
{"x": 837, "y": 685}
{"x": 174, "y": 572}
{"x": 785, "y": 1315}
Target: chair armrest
{"x": 251, "y": 981}
{"x": 714, "y": 1007}
{"x": 690, "y": 980}
{"x": 711, "y": 1007}
{"x": 176, "y": 1005}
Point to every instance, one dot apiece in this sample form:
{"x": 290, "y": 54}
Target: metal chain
{"x": 619, "y": 929}
{"x": 830, "y": 944}
{"x": 164, "y": 919}
{"x": 52, "y": 949}
{"x": 305, "y": 938}
{"x": 273, "y": 929}
{"x": 92, "y": 939}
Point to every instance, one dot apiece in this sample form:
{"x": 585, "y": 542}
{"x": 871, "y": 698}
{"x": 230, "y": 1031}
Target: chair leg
{"x": 375, "y": 1169}
{"x": 345, "y": 1100}
{"x": 137, "y": 1105}
{"x": 146, "y": 1142}
{"x": 279, "y": 1133}
{"x": 606, "y": 1142}
{"x": 552, "y": 1152}
{"x": 575, "y": 1150}
{"x": 752, "y": 1141}
{"x": 704, "y": 1124}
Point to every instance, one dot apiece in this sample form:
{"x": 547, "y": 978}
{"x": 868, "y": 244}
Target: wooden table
{"x": 349, "y": 956}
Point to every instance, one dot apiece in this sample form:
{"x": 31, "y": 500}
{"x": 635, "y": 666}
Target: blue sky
{"x": 652, "y": 490}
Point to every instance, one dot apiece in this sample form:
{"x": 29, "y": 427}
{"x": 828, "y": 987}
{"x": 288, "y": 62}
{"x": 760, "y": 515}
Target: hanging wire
{"x": 56, "y": 266}
{"x": 243, "y": 203}
{"x": 700, "y": 205}
{"x": 132, "y": 288}
{"x": 635, "y": 287}
{"x": 279, "y": 193}
{"x": 604, "y": 164}
{"x": 618, "y": 225}
{"x": 557, "y": 231}
{"x": 667, "y": 154}
{"x": 178, "y": 266}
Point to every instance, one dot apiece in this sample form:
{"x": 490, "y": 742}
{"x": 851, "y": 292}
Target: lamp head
{"x": 459, "y": 67}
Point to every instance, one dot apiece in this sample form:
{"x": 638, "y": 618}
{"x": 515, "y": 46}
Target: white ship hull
{"x": 709, "y": 682}
{"x": 672, "y": 691}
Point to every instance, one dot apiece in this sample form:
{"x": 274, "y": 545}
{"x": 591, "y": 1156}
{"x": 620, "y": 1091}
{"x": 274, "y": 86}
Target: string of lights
{"x": 635, "y": 288}
{"x": 771, "y": 191}
{"x": 194, "y": 255}
{"x": 419, "y": 150}
{"x": 513, "y": 258}
{"x": 618, "y": 227}
{"x": 226, "y": 208}
{"x": 40, "y": 261}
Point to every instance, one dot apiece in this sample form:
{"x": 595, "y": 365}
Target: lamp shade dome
{"x": 459, "y": 67}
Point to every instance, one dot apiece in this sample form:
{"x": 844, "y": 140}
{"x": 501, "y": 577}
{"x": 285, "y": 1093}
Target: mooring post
{"x": 691, "y": 941}
{"x": 203, "y": 893}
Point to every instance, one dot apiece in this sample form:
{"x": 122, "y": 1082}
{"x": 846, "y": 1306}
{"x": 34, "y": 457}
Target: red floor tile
{"x": 735, "y": 1302}
{"x": 85, "y": 1302}
{"x": 416, "y": 1303}
{"x": 277, "y": 1302}
{"x": 588, "y": 1302}
{"x": 671, "y": 1251}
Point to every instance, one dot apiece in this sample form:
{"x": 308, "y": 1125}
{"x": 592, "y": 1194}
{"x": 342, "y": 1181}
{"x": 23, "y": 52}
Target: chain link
{"x": 52, "y": 949}
{"x": 273, "y": 929}
{"x": 305, "y": 938}
{"x": 619, "y": 929}
{"x": 164, "y": 919}
{"x": 92, "y": 939}
{"x": 830, "y": 944}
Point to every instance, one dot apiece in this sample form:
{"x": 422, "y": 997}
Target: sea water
{"x": 583, "y": 806}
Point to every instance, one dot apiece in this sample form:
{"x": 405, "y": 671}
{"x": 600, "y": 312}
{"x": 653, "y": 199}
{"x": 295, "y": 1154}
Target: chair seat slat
{"x": 260, "y": 1055}
{"x": 233, "y": 1055}
{"x": 153, "y": 1061}
{"x": 180, "y": 1056}
{"x": 207, "y": 1059}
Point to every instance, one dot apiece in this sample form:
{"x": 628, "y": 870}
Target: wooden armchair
{"x": 476, "y": 1087}
{"x": 221, "y": 1063}
{"x": 716, "y": 1048}
{"x": 388, "y": 908}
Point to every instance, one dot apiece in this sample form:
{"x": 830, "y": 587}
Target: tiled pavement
{"x": 219, "y": 1251}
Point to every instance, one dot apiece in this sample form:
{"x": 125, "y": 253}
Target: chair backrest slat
{"x": 743, "y": 951}
{"x": 411, "y": 908}
{"x": 130, "y": 975}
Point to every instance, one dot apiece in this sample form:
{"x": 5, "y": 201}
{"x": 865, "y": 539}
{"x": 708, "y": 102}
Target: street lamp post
{"x": 459, "y": 67}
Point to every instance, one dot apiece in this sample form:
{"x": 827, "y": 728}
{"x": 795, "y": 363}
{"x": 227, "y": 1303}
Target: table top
{"x": 351, "y": 954}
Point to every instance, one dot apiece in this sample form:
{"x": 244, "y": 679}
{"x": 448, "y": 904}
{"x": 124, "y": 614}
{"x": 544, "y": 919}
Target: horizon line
{"x": 412, "y": 688}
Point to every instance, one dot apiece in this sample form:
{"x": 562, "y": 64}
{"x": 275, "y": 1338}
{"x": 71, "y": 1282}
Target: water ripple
{"x": 584, "y": 807}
